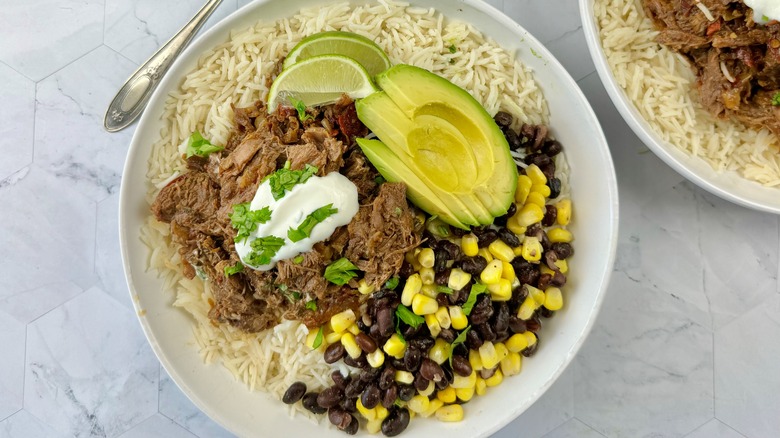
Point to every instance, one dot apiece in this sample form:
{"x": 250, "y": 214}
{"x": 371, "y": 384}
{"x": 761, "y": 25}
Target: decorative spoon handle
{"x": 131, "y": 99}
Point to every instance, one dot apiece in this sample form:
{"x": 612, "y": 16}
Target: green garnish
{"x": 476, "y": 289}
{"x": 392, "y": 283}
{"x": 776, "y": 99}
{"x": 304, "y": 229}
{"x": 317, "y": 340}
{"x": 340, "y": 271}
{"x": 285, "y": 179}
{"x": 298, "y": 259}
{"x": 459, "y": 340}
{"x": 235, "y": 269}
{"x": 533, "y": 52}
{"x": 404, "y": 314}
{"x": 245, "y": 221}
{"x": 197, "y": 145}
{"x": 292, "y": 296}
{"x": 452, "y": 48}
{"x": 379, "y": 180}
{"x": 444, "y": 290}
{"x": 398, "y": 212}
{"x": 311, "y": 305}
{"x": 301, "y": 108}
{"x": 263, "y": 249}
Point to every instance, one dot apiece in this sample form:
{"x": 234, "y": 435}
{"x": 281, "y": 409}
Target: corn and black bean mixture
{"x": 465, "y": 309}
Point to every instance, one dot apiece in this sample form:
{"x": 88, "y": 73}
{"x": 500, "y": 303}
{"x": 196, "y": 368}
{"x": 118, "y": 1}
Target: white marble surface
{"x": 686, "y": 344}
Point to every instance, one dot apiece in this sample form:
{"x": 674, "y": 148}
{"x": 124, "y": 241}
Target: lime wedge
{"x": 320, "y": 80}
{"x": 352, "y": 45}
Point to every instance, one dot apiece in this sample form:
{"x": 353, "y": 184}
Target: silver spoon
{"x": 131, "y": 99}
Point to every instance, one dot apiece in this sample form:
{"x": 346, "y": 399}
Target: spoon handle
{"x": 131, "y": 99}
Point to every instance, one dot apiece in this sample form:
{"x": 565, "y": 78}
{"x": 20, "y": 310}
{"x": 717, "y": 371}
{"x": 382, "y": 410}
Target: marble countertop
{"x": 685, "y": 345}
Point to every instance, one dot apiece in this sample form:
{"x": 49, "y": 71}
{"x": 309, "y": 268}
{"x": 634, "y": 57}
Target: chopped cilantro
{"x": 235, "y": 269}
{"x": 452, "y": 48}
{"x": 263, "y": 249}
{"x": 398, "y": 212}
{"x": 197, "y": 145}
{"x": 245, "y": 221}
{"x": 776, "y": 99}
{"x": 285, "y": 179}
{"x": 444, "y": 290}
{"x": 317, "y": 340}
{"x": 476, "y": 289}
{"x": 404, "y": 314}
{"x": 301, "y": 108}
{"x": 379, "y": 180}
{"x": 291, "y": 295}
{"x": 304, "y": 229}
{"x": 459, "y": 340}
{"x": 392, "y": 283}
{"x": 298, "y": 259}
{"x": 311, "y": 305}
{"x": 340, "y": 271}
{"x": 533, "y": 52}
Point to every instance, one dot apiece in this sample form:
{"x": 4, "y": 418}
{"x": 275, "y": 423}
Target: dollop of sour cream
{"x": 764, "y": 11}
{"x": 290, "y": 211}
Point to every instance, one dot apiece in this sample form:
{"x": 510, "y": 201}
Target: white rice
{"x": 660, "y": 83}
{"x": 235, "y": 72}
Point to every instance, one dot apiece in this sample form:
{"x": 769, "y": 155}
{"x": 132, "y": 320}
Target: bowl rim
{"x": 721, "y": 184}
{"x": 227, "y": 23}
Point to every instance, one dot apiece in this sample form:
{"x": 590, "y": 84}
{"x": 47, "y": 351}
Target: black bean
{"x": 442, "y": 384}
{"x": 545, "y": 312}
{"x": 534, "y": 324}
{"x": 443, "y": 277}
{"x": 453, "y": 250}
{"x": 412, "y": 358}
{"x": 501, "y": 319}
{"x": 338, "y": 379}
{"x": 310, "y": 402}
{"x": 386, "y": 378}
{"x": 330, "y": 397}
{"x": 482, "y": 310}
{"x": 354, "y": 388}
{"x": 539, "y": 159}
{"x": 334, "y": 353}
{"x": 461, "y": 366}
{"x": 349, "y": 404}
{"x": 473, "y": 341}
{"x": 360, "y": 362}
{"x": 398, "y": 364}
{"x": 294, "y": 393}
{"x": 552, "y": 148}
{"x": 517, "y": 325}
{"x": 458, "y": 232}
{"x": 411, "y": 332}
{"x": 390, "y": 396}
{"x": 365, "y": 342}
{"x": 485, "y": 236}
{"x": 443, "y": 300}
{"x": 396, "y": 422}
{"x": 430, "y": 370}
{"x": 422, "y": 344}
{"x": 503, "y": 119}
{"x": 384, "y": 319}
{"x": 526, "y": 272}
{"x": 406, "y": 270}
{"x": 550, "y": 257}
{"x": 514, "y": 140}
{"x": 440, "y": 260}
{"x": 555, "y": 187}
{"x": 486, "y": 332}
{"x": 530, "y": 351}
{"x": 508, "y": 237}
{"x": 448, "y": 335}
{"x": 558, "y": 279}
{"x": 371, "y": 396}
{"x": 457, "y": 297}
{"x": 487, "y": 373}
{"x": 406, "y": 392}
{"x": 353, "y": 427}
{"x": 421, "y": 383}
{"x": 370, "y": 374}
{"x": 544, "y": 281}
{"x": 550, "y": 214}
{"x": 563, "y": 249}
{"x": 374, "y": 332}
{"x": 339, "y": 417}
{"x": 362, "y": 325}
{"x": 474, "y": 265}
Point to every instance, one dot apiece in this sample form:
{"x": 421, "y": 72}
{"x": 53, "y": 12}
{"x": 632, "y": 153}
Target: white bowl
{"x": 727, "y": 185}
{"x": 213, "y": 389}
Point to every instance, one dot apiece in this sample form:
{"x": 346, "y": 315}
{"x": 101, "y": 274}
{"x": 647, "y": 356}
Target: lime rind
{"x": 348, "y": 44}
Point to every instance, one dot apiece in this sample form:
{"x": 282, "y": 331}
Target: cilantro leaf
{"x": 317, "y": 340}
{"x": 459, "y": 340}
{"x": 392, "y": 283}
{"x": 404, "y": 314}
{"x": 298, "y": 259}
{"x": 235, "y": 269}
{"x": 263, "y": 249}
{"x": 311, "y": 305}
{"x": 284, "y": 179}
{"x": 379, "y": 180}
{"x": 245, "y": 221}
{"x": 452, "y": 48}
{"x": 304, "y": 229}
{"x": 301, "y": 108}
{"x": 340, "y": 271}
{"x": 444, "y": 290}
{"x": 197, "y": 145}
{"x": 476, "y": 289}
{"x": 776, "y": 99}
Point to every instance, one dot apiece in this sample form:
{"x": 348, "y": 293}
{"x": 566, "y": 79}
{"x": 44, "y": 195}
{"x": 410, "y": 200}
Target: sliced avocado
{"x": 393, "y": 170}
{"x": 445, "y": 137}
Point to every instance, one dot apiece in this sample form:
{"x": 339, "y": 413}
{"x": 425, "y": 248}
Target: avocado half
{"x": 440, "y": 141}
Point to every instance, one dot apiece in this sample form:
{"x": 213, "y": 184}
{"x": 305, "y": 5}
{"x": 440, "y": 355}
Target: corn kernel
{"x": 447, "y": 395}
{"x": 492, "y": 273}
{"x": 535, "y": 293}
{"x": 543, "y": 269}
{"x": 451, "y": 413}
{"x": 368, "y": 414}
{"x": 395, "y": 346}
{"x": 375, "y": 359}
{"x": 524, "y": 184}
{"x": 516, "y": 343}
{"x": 365, "y": 288}
{"x": 428, "y": 390}
{"x": 558, "y": 235}
{"x": 519, "y": 249}
{"x": 404, "y": 377}
{"x": 487, "y": 352}
{"x": 427, "y": 258}
{"x": 515, "y": 227}
{"x": 501, "y": 350}
{"x": 485, "y": 254}
{"x": 332, "y": 338}
{"x": 531, "y": 338}
{"x": 354, "y": 329}
{"x": 419, "y": 404}
{"x": 458, "y": 279}
{"x": 562, "y": 265}
{"x": 440, "y": 351}
{"x": 433, "y": 406}
{"x": 411, "y": 288}
{"x": 495, "y": 379}
{"x": 481, "y": 387}
{"x": 508, "y": 271}
{"x": 536, "y": 198}
{"x": 475, "y": 360}
{"x": 374, "y": 426}
{"x": 433, "y": 324}
{"x": 465, "y": 394}
{"x": 535, "y": 174}
{"x": 443, "y": 316}
{"x": 529, "y": 215}
{"x": 427, "y": 275}
{"x": 564, "y": 211}
{"x": 422, "y": 305}
{"x": 468, "y": 244}
{"x": 541, "y": 189}
{"x": 512, "y": 364}
{"x": 458, "y": 318}
{"x": 350, "y": 345}
{"x": 553, "y": 299}
{"x": 527, "y": 308}
{"x": 469, "y": 381}
{"x": 429, "y": 290}
{"x": 381, "y": 412}
{"x": 501, "y": 250}
{"x": 501, "y": 291}
{"x": 340, "y": 321}
{"x": 532, "y": 249}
